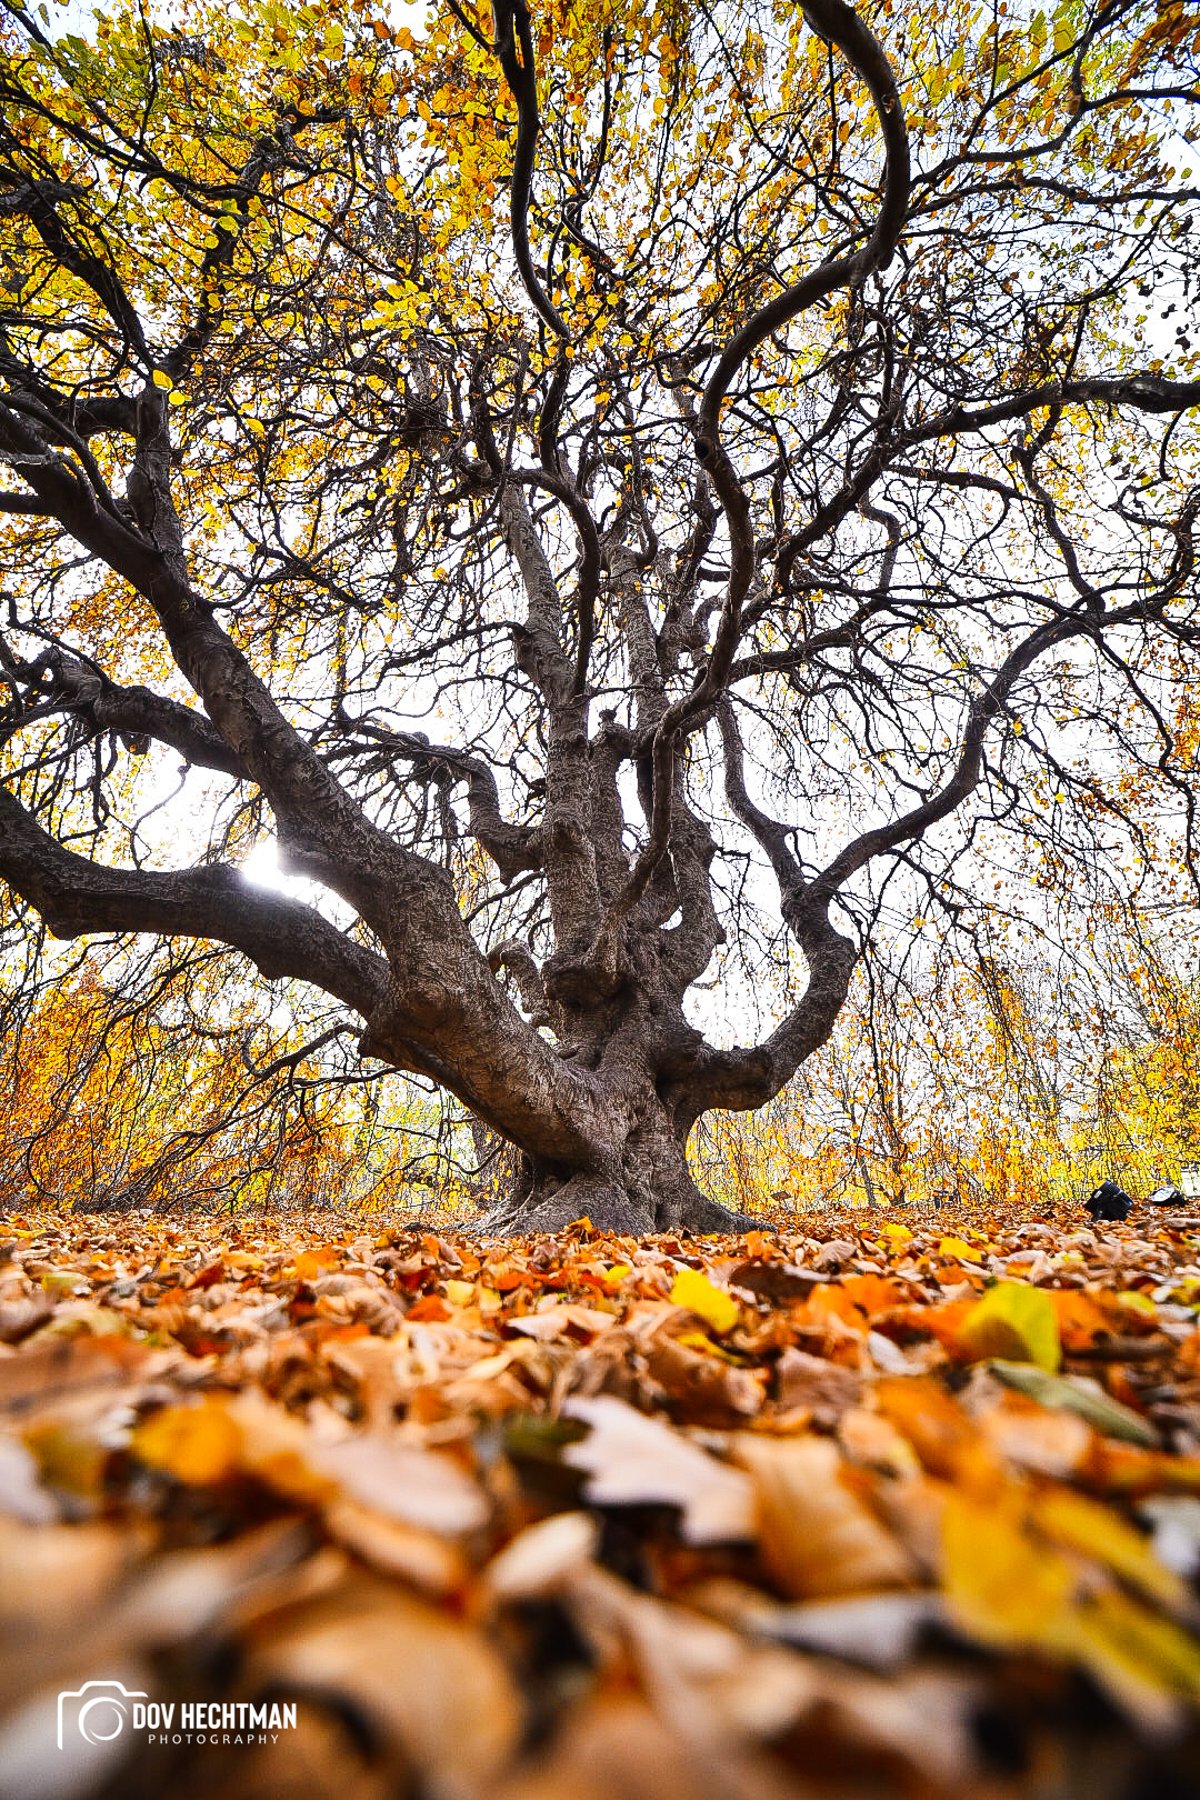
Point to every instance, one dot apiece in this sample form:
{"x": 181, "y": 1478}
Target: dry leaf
{"x": 693, "y": 1290}
{"x": 633, "y": 1460}
{"x": 815, "y": 1537}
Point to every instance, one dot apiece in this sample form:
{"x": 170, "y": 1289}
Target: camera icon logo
{"x": 98, "y": 1711}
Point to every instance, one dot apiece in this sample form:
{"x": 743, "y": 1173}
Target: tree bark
{"x": 644, "y": 1184}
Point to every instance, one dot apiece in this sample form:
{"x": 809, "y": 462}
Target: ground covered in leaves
{"x": 861, "y": 1510}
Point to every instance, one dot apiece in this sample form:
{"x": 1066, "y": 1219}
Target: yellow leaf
{"x": 1007, "y": 1589}
{"x": 1094, "y": 1530}
{"x": 1001, "y": 1587}
{"x": 1144, "y": 1661}
{"x": 312, "y": 1263}
{"x": 197, "y": 1445}
{"x": 177, "y": 397}
{"x": 896, "y": 1234}
{"x": 1015, "y": 1322}
{"x": 1136, "y": 1302}
{"x": 614, "y": 1276}
{"x": 69, "y": 1456}
{"x": 460, "y": 1293}
{"x": 161, "y": 379}
{"x": 698, "y": 1340}
{"x": 694, "y": 1290}
{"x": 960, "y": 1250}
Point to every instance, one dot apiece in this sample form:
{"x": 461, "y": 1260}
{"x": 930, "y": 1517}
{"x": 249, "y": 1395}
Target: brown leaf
{"x": 428, "y": 1683}
{"x": 21, "y": 1314}
{"x": 777, "y": 1281}
{"x": 701, "y": 1387}
{"x": 815, "y": 1536}
{"x": 47, "y": 1370}
{"x": 825, "y": 1389}
{"x": 420, "y": 1558}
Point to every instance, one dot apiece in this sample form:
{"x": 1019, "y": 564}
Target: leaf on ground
{"x": 698, "y": 1294}
{"x": 430, "y": 1684}
{"x": 1007, "y": 1587}
{"x": 1002, "y": 1586}
{"x": 815, "y": 1536}
{"x": 198, "y": 1445}
{"x": 633, "y": 1460}
{"x": 1012, "y": 1321}
{"x": 543, "y": 1556}
{"x": 824, "y": 1389}
{"x": 1077, "y": 1396}
{"x": 1079, "y": 1523}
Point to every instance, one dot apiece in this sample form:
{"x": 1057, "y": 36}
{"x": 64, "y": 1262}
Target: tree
{"x": 605, "y": 489}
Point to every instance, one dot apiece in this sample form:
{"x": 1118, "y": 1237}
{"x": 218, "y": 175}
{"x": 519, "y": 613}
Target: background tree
{"x": 623, "y": 499}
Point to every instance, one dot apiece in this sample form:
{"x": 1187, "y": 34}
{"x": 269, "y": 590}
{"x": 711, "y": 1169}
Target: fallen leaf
{"x": 815, "y": 1537}
{"x": 1012, "y": 1321}
{"x": 826, "y": 1389}
{"x": 693, "y": 1290}
{"x": 1002, "y": 1586}
{"x": 21, "y": 1494}
{"x": 428, "y": 1683}
{"x": 633, "y": 1460}
{"x": 879, "y": 1631}
{"x": 542, "y": 1557}
{"x": 1079, "y": 1523}
{"x": 960, "y": 1250}
{"x": 196, "y": 1444}
{"x": 1077, "y": 1396}
{"x": 773, "y": 1280}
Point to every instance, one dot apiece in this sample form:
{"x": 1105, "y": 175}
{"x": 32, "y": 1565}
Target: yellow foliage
{"x": 693, "y": 1289}
{"x": 1013, "y": 1321}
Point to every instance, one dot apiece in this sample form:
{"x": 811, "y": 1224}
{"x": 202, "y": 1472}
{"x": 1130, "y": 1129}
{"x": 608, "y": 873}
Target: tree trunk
{"x": 641, "y": 1183}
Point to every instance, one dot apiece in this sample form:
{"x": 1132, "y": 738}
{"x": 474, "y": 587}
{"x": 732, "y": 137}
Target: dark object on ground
{"x": 1169, "y": 1195}
{"x": 1109, "y": 1203}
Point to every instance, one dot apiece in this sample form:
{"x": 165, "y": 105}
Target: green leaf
{"x": 1107, "y": 1415}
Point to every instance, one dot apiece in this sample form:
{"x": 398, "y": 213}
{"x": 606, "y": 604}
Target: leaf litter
{"x": 855, "y": 1510}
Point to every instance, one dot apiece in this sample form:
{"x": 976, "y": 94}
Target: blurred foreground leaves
{"x": 864, "y": 1513}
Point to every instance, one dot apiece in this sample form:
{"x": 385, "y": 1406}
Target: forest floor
{"x": 859, "y": 1510}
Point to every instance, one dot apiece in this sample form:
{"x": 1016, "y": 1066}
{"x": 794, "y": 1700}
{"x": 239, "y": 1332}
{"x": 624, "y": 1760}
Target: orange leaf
{"x": 431, "y": 1309}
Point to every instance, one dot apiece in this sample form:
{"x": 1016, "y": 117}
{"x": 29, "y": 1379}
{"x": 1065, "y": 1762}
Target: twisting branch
{"x": 513, "y": 848}
{"x": 514, "y": 47}
{"x": 519, "y": 960}
{"x": 589, "y": 566}
{"x": 281, "y": 937}
{"x": 840, "y": 25}
{"x": 137, "y": 713}
{"x": 985, "y": 708}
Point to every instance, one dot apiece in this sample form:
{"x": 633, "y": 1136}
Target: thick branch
{"x": 137, "y": 712}
{"x": 281, "y": 937}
